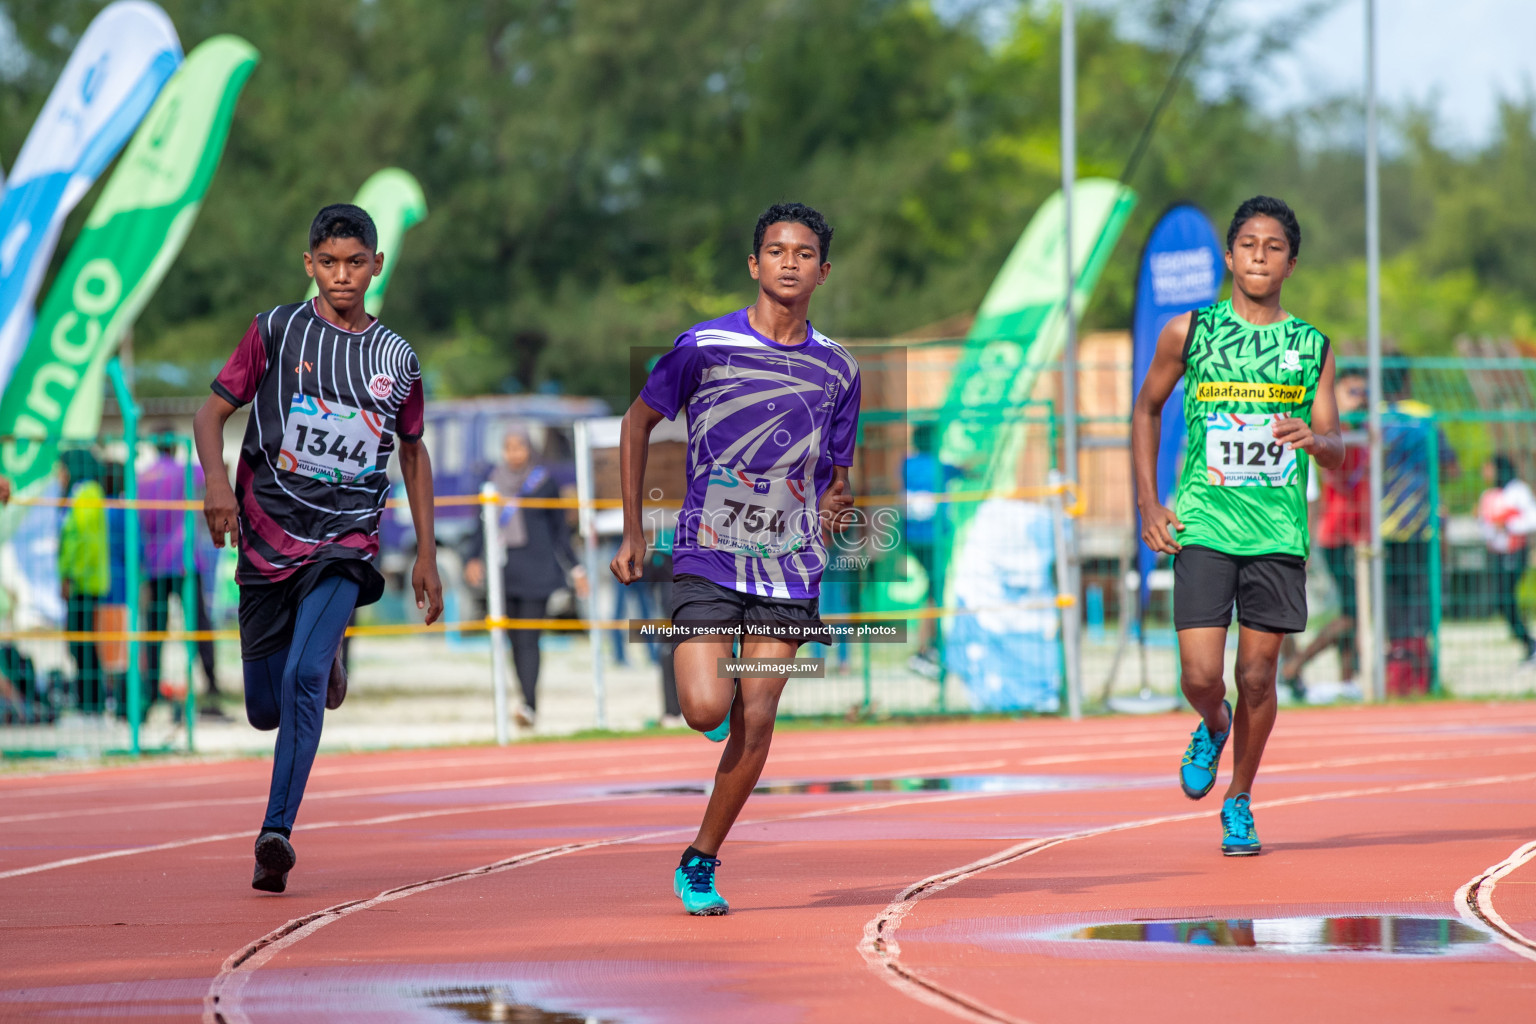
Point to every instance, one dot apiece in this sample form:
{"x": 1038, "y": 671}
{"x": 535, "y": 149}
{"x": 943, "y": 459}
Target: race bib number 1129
{"x": 1241, "y": 451}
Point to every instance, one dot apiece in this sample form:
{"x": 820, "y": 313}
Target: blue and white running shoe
{"x": 1238, "y": 836}
{"x": 1197, "y": 773}
{"x": 694, "y": 884}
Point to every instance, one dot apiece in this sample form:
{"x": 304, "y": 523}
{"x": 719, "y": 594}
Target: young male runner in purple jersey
{"x": 330, "y": 390}
{"x": 773, "y": 408}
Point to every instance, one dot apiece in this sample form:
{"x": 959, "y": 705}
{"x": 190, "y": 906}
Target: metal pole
{"x": 1066, "y": 603}
{"x": 1069, "y": 357}
{"x": 1378, "y": 666}
{"x": 587, "y": 524}
{"x": 495, "y": 604}
{"x": 130, "y": 411}
{"x": 191, "y": 588}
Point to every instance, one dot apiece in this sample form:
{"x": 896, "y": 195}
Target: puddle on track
{"x": 495, "y": 1004}
{"x": 933, "y": 784}
{"x": 1389, "y": 936}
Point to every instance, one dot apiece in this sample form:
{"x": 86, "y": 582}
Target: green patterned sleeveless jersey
{"x": 1242, "y": 492}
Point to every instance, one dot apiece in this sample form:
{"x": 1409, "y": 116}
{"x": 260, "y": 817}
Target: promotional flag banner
{"x": 124, "y": 58}
{"x": 394, "y": 200}
{"x": 1003, "y": 643}
{"x": 133, "y": 235}
{"x": 1181, "y": 269}
{"x": 1021, "y": 328}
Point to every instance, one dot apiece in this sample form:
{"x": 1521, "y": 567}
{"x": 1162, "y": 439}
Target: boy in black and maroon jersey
{"x": 330, "y": 390}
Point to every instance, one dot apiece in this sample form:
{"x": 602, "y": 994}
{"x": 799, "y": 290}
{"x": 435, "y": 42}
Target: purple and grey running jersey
{"x": 766, "y": 424}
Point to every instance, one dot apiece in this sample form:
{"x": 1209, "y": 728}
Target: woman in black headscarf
{"x": 1506, "y": 512}
{"x": 535, "y": 546}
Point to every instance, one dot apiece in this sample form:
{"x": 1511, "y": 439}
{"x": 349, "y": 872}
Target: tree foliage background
{"x": 594, "y": 168}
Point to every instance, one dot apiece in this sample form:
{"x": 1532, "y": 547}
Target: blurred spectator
{"x": 926, "y": 479}
{"x": 112, "y": 613}
{"x": 641, "y": 595}
{"x": 1408, "y": 526}
{"x": 536, "y": 556}
{"x": 1342, "y": 522}
{"x": 85, "y": 572}
{"x": 162, "y": 536}
{"x": 1506, "y": 512}
{"x": 657, "y": 574}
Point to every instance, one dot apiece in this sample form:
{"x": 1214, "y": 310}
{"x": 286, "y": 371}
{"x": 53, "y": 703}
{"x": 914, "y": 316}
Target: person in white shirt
{"x": 1507, "y": 514}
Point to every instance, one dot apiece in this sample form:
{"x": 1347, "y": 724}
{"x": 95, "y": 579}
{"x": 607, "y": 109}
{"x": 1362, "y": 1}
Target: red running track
{"x": 480, "y": 884}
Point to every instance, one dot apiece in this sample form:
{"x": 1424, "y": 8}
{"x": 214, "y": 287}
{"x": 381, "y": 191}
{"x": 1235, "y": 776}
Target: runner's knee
{"x": 261, "y": 717}
{"x": 1255, "y": 680}
{"x": 705, "y": 718}
{"x": 1196, "y": 678}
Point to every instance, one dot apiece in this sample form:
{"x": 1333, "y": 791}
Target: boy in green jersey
{"x": 1259, "y": 405}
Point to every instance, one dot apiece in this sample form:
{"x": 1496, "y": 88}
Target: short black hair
{"x": 343, "y": 220}
{"x": 1267, "y": 206}
{"x": 795, "y": 213}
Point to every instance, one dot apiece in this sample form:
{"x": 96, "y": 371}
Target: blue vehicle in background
{"x": 464, "y": 438}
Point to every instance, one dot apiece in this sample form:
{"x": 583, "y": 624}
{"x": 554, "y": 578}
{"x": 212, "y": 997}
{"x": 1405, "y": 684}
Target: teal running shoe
{"x": 721, "y": 731}
{"x": 1197, "y": 774}
{"x": 694, "y": 883}
{"x": 1238, "y": 836}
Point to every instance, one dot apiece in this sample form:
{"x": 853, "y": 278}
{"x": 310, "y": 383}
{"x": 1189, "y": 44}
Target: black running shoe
{"x": 274, "y": 859}
{"x": 336, "y": 685}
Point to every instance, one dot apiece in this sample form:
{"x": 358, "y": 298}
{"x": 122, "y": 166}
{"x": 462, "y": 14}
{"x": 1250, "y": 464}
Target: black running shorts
{"x": 267, "y": 609}
{"x": 1270, "y": 591}
{"x": 700, "y": 603}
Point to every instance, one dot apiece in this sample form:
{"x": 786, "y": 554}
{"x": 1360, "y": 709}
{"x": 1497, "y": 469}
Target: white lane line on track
{"x": 465, "y": 784}
{"x": 423, "y": 787}
{"x": 387, "y": 819}
{"x": 882, "y": 952}
{"x": 433, "y": 787}
{"x": 437, "y": 813}
{"x": 221, "y": 1004}
{"x": 1474, "y": 902}
{"x": 515, "y": 758}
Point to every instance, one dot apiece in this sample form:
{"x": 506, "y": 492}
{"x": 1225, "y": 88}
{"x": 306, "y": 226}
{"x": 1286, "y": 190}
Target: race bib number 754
{"x": 758, "y": 517}
{"x": 329, "y": 441}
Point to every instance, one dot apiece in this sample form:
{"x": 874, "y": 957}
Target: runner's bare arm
{"x": 416, "y": 470}
{"x": 219, "y": 499}
{"x": 634, "y": 441}
{"x": 1159, "y": 526}
{"x": 1320, "y": 439}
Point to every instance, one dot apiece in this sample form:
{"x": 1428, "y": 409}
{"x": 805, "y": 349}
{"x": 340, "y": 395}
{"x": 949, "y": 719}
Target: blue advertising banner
{"x": 1182, "y": 268}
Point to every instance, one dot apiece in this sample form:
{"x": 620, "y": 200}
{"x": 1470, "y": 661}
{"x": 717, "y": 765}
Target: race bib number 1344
{"x": 329, "y": 441}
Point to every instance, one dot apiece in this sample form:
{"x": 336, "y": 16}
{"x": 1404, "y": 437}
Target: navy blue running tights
{"x": 286, "y": 691}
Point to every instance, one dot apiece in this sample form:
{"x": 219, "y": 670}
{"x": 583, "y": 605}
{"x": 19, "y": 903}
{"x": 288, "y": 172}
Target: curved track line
{"x": 219, "y": 837}
{"x": 882, "y": 952}
{"x": 221, "y": 1004}
{"x": 1474, "y": 902}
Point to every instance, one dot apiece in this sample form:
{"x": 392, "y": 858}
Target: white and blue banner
{"x": 1182, "y": 268}
{"x": 127, "y": 53}
{"x": 1004, "y": 642}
